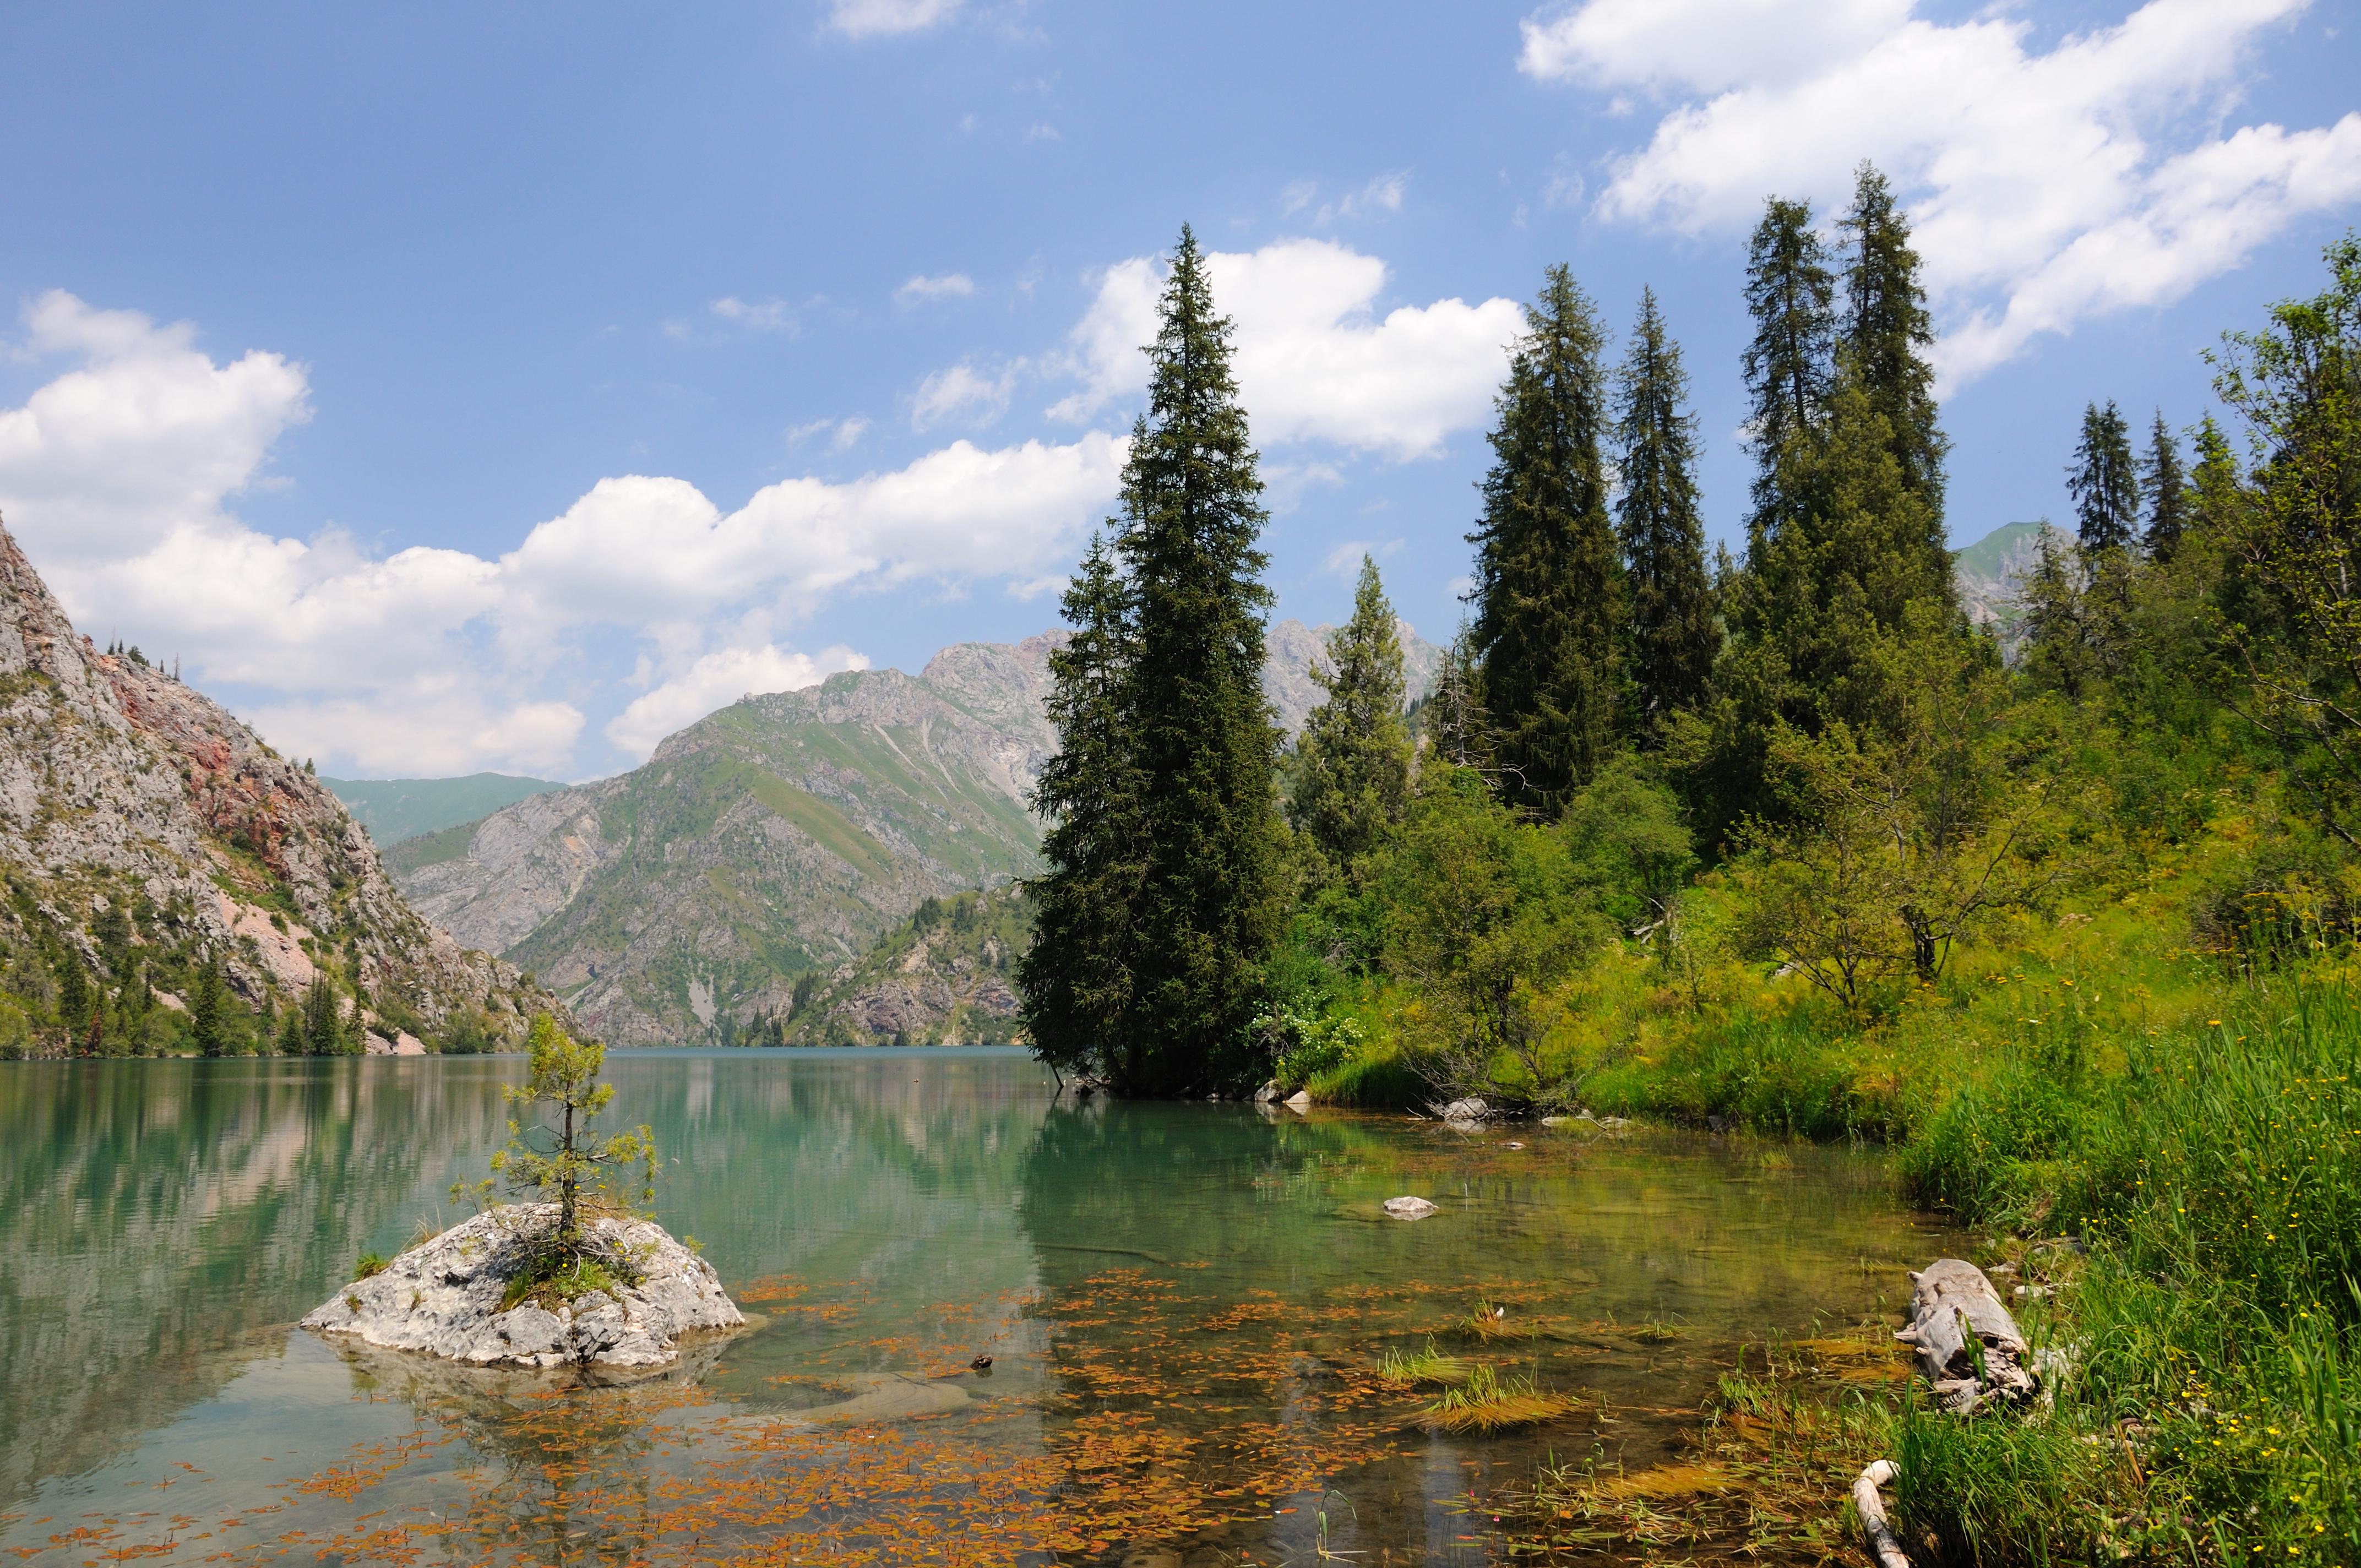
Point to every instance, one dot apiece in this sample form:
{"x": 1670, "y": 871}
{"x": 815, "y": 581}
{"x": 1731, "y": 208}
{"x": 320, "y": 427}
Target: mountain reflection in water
{"x": 1185, "y": 1306}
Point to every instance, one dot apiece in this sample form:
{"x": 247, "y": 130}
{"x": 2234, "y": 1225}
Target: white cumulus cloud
{"x": 115, "y": 476}
{"x": 2047, "y": 184}
{"x": 1313, "y": 359}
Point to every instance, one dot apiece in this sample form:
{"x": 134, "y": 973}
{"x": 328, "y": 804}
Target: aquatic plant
{"x": 1425, "y": 1367}
{"x": 1487, "y": 1402}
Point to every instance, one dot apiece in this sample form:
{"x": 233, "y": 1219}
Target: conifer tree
{"x": 1789, "y": 362}
{"x": 1074, "y": 976}
{"x": 1887, "y": 334}
{"x": 1674, "y": 634}
{"x": 322, "y": 1028}
{"x": 1198, "y": 733}
{"x": 2168, "y": 492}
{"x": 2057, "y": 652}
{"x": 2104, "y": 483}
{"x": 1352, "y": 764}
{"x": 208, "y": 1012}
{"x": 1823, "y": 588}
{"x": 1548, "y": 630}
{"x": 2214, "y": 490}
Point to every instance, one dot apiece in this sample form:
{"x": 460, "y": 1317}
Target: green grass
{"x": 2212, "y": 1410}
{"x": 1427, "y": 1367}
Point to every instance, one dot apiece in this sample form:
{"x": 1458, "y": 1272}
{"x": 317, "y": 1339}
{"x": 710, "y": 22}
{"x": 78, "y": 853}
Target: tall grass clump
{"x": 2208, "y": 1351}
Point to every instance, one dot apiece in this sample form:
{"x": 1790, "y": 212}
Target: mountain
{"x": 146, "y": 834}
{"x": 779, "y": 837}
{"x": 395, "y": 809}
{"x": 945, "y": 976}
{"x": 1991, "y": 574}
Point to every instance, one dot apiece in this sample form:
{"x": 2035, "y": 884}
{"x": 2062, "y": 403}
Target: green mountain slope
{"x": 395, "y": 809}
{"x": 780, "y": 837}
{"x": 1990, "y": 574}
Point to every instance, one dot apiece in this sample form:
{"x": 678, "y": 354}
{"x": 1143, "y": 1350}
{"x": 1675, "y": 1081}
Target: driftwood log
{"x": 1969, "y": 1349}
{"x": 1971, "y": 1352}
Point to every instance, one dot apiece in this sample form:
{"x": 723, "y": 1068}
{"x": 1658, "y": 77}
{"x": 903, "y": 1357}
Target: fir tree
{"x": 2215, "y": 493}
{"x": 1789, "y": 362}
{"x": 209, "y": 1012}
{"x": 1352, "y": 764}
{"x": 1198, "y": 734}
{"x": 1887, "y": 333}
{"x": 291, "y": 1031}
{"x": 2168, "y": 492}
{"x": 2056, "y": 650}
{"x": 1674, "y": 636}
{"x": 1074, "y": 976}
{"x": 2103, "y": 484}
{"x": 1548, "y": 628}
{"x": 323, "y": 1027}
{"x": 1834, "y": 579}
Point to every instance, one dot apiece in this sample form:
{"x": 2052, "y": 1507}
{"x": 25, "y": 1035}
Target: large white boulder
{"x": 443, "y": 1297}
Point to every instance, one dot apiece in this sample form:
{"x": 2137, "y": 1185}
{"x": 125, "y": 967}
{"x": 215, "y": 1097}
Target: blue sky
{"x": 504, "y": 387}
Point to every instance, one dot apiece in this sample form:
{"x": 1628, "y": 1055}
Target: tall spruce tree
{"x": 1075, "y": 978}
{"x": 2168, "y": 491}
{"x": 1352, "y": 761}
{"x": 1887, "y": 334}
{"x": 2104, "y": 483}
{"x": 1549, "y": 596}
{"x": 1789, "y": 364}
{"x": 1674, "y": 635}
{"x": 1210, "y": 905}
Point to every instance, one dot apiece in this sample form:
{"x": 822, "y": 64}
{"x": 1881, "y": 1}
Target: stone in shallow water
{"x": 443, "y": 1297}
{"x": 1408, "y": 1207}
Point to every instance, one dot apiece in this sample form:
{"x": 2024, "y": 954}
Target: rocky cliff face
{"x": 147, "y": 835}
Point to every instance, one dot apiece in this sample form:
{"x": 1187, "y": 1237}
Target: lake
{"x": 1185, "y": 1306}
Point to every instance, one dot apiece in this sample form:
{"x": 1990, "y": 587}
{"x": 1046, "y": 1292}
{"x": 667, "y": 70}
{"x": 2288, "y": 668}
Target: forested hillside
{"x": 2053, "y": 891}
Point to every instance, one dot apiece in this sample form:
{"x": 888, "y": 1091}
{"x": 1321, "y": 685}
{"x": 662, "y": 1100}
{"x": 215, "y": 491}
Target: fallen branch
{"x": 1876, "y": 1530}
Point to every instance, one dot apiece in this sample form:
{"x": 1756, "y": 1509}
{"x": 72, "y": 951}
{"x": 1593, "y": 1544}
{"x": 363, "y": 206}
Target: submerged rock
{"x": 443, "y": 1297}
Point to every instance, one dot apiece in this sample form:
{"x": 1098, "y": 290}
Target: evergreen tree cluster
{"x": 1817, "y": 718}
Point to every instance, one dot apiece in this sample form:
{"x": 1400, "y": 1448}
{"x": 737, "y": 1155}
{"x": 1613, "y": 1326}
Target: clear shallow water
{"x": 1185, "y": 1305}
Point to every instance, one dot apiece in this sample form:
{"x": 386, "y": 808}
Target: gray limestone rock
{"x": 443, "y": 1297}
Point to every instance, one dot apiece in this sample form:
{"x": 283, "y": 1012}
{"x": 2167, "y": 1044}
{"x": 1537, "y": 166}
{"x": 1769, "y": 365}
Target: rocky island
{"x": 457, "y": 1297}
{"x": 580, "y": 1273}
